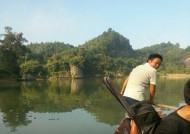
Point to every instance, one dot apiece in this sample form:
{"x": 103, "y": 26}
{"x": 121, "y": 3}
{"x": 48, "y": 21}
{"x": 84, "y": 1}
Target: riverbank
{"x": 169, "y": 76}
{"x": 175, "y": 76}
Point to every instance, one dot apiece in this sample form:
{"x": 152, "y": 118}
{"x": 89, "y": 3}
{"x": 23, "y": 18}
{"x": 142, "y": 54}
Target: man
{"x": 139, "y": 79}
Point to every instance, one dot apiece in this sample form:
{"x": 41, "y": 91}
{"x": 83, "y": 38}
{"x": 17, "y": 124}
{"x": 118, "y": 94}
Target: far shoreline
{"x": 168, "y": 76}
{"x": 175, "y": 76}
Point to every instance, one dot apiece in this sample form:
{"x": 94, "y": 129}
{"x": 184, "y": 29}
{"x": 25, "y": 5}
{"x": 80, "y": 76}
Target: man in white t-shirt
{"x": 139, "y": 79}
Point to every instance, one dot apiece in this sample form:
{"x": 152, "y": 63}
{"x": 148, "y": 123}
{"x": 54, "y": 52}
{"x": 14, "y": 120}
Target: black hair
{"x": 187, "y": 92}
{"x": 152, "y": 56}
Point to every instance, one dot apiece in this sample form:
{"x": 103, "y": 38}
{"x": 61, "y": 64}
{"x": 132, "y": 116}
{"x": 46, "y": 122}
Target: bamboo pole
{"x": 165, "y": 106}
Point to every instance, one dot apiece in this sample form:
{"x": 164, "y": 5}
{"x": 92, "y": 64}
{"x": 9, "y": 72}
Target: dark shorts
{"x": 130, "y": 101}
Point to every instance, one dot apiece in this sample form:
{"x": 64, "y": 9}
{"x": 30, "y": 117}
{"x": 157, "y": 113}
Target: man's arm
{"x": 124, "y": 86}
{"x": 152, "y": 93}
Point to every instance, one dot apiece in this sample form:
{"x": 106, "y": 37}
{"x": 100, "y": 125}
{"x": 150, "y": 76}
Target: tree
{"x": 12, "y": 49}
{"x": 32, "y": 68}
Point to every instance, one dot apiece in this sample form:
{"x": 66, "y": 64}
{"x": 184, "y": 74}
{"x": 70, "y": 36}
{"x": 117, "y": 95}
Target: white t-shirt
{"x": 139, "y": 79}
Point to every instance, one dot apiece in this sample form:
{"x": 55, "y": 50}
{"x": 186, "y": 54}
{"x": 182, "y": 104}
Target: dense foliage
{"x": 12, "y": 51}
{"x": 108, "y": 54}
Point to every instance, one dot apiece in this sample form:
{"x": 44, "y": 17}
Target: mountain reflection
{"x": 56, "y": 97}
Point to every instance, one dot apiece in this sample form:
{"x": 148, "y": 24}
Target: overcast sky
{"x": 143, "y": 22}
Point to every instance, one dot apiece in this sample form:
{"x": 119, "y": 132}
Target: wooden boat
{"x": 145, "y": 116}
{"x": 124, "y": 126}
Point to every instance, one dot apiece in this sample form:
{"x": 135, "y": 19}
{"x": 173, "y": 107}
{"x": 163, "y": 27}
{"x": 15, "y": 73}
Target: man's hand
{"x": 150, "y": 101}
{"x": 121, "y": 93}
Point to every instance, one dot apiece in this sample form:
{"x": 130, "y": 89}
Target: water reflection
{"x": 13, "y": 107}
{"x": 76, "y": 84}
{"x": 22, "y": 103}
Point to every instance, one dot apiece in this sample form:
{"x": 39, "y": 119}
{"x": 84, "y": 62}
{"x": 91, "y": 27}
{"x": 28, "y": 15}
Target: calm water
{"x": 81, "y": 106}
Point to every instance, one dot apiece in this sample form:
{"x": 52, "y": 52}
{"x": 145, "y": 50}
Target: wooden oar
{"x": 165, "y": 106}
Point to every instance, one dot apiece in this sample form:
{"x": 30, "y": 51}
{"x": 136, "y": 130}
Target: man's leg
{"x": 134, "y": 129}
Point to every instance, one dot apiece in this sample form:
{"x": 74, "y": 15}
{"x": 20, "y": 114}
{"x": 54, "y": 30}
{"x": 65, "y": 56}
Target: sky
{"x": 143, "y": 22}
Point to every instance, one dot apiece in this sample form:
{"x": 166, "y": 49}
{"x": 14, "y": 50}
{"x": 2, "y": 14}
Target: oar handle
{"x": 165, "y": 106}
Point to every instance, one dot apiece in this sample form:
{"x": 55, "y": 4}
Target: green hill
{"x": 110, "y": 43}
{"x": 110, "y": 53}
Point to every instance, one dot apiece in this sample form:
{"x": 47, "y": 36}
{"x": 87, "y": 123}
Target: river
{"x": 71, "y": 106}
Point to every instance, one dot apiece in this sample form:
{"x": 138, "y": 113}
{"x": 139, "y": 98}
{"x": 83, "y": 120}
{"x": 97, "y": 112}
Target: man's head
{"x": 187, "y": 92}
{"x": 155, "y": 60}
